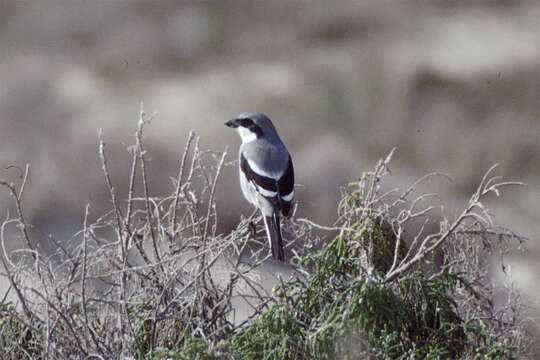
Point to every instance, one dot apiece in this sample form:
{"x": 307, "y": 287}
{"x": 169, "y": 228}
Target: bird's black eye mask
{"x": 249, "y": 124}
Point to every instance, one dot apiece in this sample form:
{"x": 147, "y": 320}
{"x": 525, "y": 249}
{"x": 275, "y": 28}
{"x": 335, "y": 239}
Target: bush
{"x": 145, "y": 280}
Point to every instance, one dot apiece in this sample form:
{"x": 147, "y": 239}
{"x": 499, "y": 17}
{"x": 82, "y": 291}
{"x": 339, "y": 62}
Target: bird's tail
{"x": 273, "y": 231}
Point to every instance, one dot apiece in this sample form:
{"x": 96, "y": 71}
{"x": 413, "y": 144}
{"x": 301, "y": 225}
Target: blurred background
{"x": 454, "y": 85}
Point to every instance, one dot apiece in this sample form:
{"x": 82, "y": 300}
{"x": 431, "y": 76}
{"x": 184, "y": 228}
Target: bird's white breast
{"x": 246, "y": 135}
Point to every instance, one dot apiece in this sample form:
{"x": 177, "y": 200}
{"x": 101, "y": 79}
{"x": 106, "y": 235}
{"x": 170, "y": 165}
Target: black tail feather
{"x": 274, "y": 234}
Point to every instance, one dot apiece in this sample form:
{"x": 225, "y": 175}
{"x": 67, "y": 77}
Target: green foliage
{"x": 372, "y": 234}
{"x": 346, "y": 311}
{"x": 193, "y": 349}
{"x": 17, "y": 340}
{"x": 358, "y": 298}
{"x": 279, "y": 333}
{"x": 339, "y": 313}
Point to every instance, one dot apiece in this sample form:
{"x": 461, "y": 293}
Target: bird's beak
{"x": 232, "y": 123}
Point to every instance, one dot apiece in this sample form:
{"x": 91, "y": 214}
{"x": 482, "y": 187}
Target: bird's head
{"x": 251, "y": 126}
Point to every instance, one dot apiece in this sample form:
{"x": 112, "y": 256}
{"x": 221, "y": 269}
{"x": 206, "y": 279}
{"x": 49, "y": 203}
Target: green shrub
{"x": 142, "y": 280}
{"x": 17, "y": 339}
{"x": 349, "y": 307}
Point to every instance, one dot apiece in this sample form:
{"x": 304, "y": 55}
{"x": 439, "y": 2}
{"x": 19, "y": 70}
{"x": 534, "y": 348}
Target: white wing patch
{"x": 288, "y": 197}
{"x": 270, "y": 174}
{"x": 264, "y": 192}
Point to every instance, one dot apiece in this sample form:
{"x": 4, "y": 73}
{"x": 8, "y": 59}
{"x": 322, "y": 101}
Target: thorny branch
{"x": 475, "y": 211}
{"x": 94, "y": 297}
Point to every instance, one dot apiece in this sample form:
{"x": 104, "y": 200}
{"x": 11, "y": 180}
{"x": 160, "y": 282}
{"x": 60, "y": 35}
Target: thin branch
{"x": 17, "y": 197}
{"x": 89, "y": 331}
{"x": 10, "y": 277}
{"x": 142, "y": 152}
{"x": 323, "y": 227}
{"x": 66, "y": 321}
{"x": 173, "y": 220}
{"x": 129, "y": 211}
{"x": 117, "y": 211}
{"x": 427, "y": 246}
{"x": 210, "y": 205}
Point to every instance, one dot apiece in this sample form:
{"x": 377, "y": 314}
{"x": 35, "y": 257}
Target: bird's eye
{"x": 245, "y": 122}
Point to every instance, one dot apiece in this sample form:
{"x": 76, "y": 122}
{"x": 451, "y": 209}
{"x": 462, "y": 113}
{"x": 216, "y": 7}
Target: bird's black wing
{"x": 279, "y": 192}
{"x": 286, "y": 188}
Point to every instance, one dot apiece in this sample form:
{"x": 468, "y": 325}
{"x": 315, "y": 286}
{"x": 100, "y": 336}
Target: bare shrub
{"x": 385, "y": 287}
{"x": 143, "y": 275}
{"x": 152, "y": 277}
{"x": 460, "y": 253}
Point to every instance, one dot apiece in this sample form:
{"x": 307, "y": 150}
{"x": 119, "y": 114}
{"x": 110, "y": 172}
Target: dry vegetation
{"x": 152, "y": 277}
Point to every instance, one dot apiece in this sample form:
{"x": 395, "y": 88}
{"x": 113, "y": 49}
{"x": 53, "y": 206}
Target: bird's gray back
{"x": 269, "y": 154}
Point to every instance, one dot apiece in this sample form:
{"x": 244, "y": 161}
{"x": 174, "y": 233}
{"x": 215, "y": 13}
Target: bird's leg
{"x": 251, "y": 225}
{"x": 268, "y": 231}
{"x": 252, "y": 229}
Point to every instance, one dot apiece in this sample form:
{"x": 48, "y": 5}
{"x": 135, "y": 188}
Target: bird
{"x": 266, "y": 173}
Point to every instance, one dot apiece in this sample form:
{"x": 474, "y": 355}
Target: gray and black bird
{"x": 266, "y": 173}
